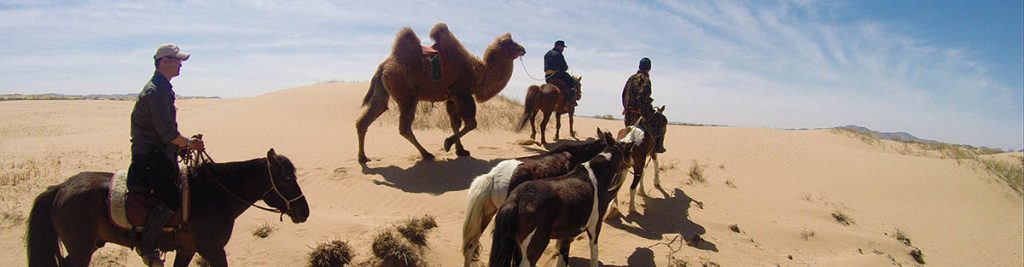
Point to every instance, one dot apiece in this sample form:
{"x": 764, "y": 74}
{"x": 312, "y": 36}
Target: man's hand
{"x": 196, "y": 144}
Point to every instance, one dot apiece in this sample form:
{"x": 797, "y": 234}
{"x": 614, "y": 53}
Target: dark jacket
{"x": 636, "y": 94}
{"x": 554, "y": 60}
{"x": 154, "y": 119}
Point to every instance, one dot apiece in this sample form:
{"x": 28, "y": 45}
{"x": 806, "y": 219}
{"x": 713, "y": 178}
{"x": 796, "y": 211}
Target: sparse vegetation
{"x": 807, "y": 234}
{"x": 392, "y": 250}
{"x": 697, "y": 172}
{"x": 1010, "y": 172}
{"x": 497, "y": 113}
{"x": 331, "y": 254}
{"x": 606, "y": 117}
{"x": 901, "y": 236}
{"x": 735, "y": 228}
{"x": 416, "y": 229}
{"x": 841, "y": 217}
{"x": 264, "y": 230}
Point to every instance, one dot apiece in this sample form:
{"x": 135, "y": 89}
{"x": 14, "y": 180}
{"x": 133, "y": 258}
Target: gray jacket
{"x": 154, "y": 119}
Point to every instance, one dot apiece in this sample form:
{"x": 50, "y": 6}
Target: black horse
{"x": 75, "y": 212}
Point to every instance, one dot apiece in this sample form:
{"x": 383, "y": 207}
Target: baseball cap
{"x": 560, "y": 43}
{"x": 172, "y": 50}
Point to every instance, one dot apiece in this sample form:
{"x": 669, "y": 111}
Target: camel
{"x": 409, "y": 76}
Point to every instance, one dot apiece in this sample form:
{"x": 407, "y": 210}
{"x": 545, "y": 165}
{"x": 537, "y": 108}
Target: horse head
{"x": 579, "y": 87}
{"x": 284, "y": 193}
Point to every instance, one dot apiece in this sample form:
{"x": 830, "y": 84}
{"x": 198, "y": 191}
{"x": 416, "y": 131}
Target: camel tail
{"x": 376, "y": 86}
{"x": 504, "y": 241}
{"x": 41, "y": 237}
{"x": 529, "y": 106}
{"x": 478, "y": 215}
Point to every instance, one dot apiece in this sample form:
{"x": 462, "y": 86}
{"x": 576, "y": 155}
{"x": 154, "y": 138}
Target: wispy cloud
{"x": 762, "y": 64}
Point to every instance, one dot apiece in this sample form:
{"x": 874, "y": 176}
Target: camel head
{"x": 504, "y": 47}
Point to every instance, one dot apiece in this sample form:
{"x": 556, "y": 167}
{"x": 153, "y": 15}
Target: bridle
{"x": 193, "y": 159}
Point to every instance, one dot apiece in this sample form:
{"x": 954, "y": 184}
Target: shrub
{"x": 330, "y": 254}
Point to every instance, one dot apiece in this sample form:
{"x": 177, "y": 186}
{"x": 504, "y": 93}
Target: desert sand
{"x": 780, "y": 188}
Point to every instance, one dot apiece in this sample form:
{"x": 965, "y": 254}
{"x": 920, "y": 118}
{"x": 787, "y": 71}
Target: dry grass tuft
{"x": 499, "y": 113}
{"x": 416, "y": 229}
{"x": 329, "y": 254}
{"x": 392, "y": 250}
{"x": 901, "y": 236}
{"x": 807, "y": 234}
{"x": 841, "y": 217}
{"x": 697, "y": 172}
{"x": 264, "y": 230}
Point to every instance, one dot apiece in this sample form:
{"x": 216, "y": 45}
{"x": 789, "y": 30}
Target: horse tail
{"x": 478, "y": 214}
{"x": 529, "y": 106}
{"x": 504, "y": 241}
{"x": 41, "y": 237}
{"x": 376, "y": 86}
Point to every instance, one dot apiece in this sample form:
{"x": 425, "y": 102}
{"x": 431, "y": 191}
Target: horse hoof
{"x": 428, "y": 157}
{"x": 462, "y": 153}
{"x": 363, "y": 159}
{"x": 448, "y": 142}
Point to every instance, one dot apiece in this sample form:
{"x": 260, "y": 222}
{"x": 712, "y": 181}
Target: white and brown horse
{"x": 490, "y": 190}
{"x": 559, "y": 208}
{"x": 643, "y": 135}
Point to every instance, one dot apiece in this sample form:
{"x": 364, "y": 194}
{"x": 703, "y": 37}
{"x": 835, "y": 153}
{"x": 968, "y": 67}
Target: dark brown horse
{"x": 548, "y": 98}
{"x": 559, "y": 208}
{"x": 643, "y": 136}
{"x": 75, "y": 212}
{"x": 490, "y": 190}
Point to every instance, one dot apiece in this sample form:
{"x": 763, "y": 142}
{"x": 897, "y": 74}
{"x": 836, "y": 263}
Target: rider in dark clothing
{"x": 555, "y": 69}
{"x": 155, "y": 143}
{"x": 637, "y": 102}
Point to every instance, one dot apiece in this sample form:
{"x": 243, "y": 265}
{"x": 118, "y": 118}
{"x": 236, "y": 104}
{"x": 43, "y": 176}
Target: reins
{"x": 193, "y": 159}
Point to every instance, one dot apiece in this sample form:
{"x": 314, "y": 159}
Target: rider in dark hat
{"x": 555, "y": 70}
{"x": 637, "y": 101}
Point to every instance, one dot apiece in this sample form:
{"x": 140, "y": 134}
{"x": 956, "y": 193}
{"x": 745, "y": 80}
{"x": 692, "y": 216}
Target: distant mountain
{"x": 51, "y": 96}
{"x": 896, "y": 136}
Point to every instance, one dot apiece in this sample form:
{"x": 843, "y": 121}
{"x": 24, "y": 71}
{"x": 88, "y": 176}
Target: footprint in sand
{"x": 340, "y": 172}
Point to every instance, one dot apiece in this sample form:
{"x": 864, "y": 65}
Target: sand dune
{"x": 781, "y": 189}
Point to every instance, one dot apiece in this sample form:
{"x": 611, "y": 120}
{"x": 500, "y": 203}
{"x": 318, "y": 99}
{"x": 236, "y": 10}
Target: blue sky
{"x": 944, "y": 70}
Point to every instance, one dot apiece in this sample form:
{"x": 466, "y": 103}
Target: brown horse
{"x": 489, "y": 190}
{"x": 453, "y": 75}
{"x": 559, "y": 208}
{"x": 75, "y": 212}
{"x": 643, "y": 136}
{"x": 548, "y": 98}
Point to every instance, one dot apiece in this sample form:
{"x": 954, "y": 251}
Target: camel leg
{"x": 377, "y": 106}
{"x": 558, "y": 125}
{"x": 456, "y": 121}
{"x": 408, "y": 114}
{"x": 467, "y": 110}
{"x": 544, "y": 126}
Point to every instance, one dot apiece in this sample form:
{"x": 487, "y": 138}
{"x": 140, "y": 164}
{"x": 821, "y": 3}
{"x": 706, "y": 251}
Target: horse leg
{"x": 467, "y": 111}
{"x": 183, "y": 258}
{"x": 377, "y": 106}
{"x": 534, "y": 247}
{"x": 544, "y": 126}
{"x": 572, "y": 130}
{"x": 408, "y": 114}
{"x": 215, "y": 256}
{"x": 79, "y": 253}
{"x": 533, "y": 126}
{"x": 563, "y": 251}
{"x": 456, "y": 121}
{"x": 593, "y": 232}
{"x": 558, "y": 125}
{"x": 638, "y": 178}
{"x": 657, "y": 170}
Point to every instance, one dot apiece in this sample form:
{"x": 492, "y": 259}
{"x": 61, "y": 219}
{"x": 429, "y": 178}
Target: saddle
{"x": 435, "y": 59}
{"x": 129, "y": 210}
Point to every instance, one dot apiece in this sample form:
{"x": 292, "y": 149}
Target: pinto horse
{"x": 548, "y": 98}
{"x": 490, "y": 190}
{"x": 559, "y": 208}
{"x": 643, "y": 136}
{"x": 75, "y": 212}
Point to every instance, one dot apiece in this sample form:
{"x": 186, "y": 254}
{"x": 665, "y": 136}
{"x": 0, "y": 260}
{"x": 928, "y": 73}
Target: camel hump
{"x": 407, "y": 49}
{"x": 439, "y": 31}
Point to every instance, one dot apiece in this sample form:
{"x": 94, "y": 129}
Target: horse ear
{"x": 661, "y": 109}
{"x": 271, "y": 154}
{"x": 599, "y": 132}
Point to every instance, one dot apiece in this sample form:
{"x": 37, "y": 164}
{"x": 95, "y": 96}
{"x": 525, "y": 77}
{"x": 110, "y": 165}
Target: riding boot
{"x": 147, "y": 247}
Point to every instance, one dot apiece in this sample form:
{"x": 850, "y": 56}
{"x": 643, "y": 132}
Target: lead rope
{"x": 528, "y": 70}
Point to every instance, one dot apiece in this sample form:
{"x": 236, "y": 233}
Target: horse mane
{"x": 406, "y": 49}
{"x": 234, "y": 168}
